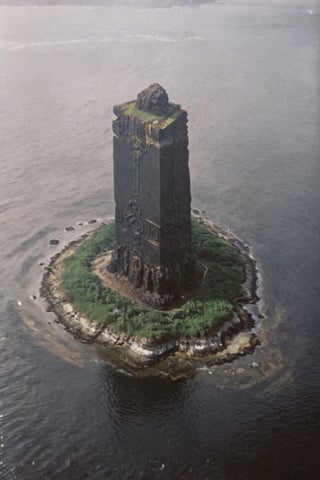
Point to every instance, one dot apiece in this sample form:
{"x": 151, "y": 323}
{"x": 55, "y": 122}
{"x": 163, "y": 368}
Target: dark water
{"x": 248, "y": 74}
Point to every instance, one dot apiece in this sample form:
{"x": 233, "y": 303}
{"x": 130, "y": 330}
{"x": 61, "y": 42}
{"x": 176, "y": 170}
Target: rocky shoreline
{"x": 235, "y": 338}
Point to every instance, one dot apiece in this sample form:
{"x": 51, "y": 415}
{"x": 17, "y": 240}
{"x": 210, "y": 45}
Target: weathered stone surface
{"x": 152, "y": 196}
{"x": 153, "y": 99}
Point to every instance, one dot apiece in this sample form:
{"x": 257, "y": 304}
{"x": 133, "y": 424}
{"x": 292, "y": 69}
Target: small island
{"x": 156, "y": 281}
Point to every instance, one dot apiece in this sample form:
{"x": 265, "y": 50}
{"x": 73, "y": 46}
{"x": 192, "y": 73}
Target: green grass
{"x": 171, "y": 115}
{"x": 211, "y": 304}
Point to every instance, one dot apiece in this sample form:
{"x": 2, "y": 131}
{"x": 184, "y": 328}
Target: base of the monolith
{"x": 166, "y": 291}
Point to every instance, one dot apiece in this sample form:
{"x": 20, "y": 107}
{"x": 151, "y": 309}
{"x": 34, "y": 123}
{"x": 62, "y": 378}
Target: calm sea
{"x": 248, "y": 74}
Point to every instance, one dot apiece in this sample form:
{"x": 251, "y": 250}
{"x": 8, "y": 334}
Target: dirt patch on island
{"x": 117, "y": 283}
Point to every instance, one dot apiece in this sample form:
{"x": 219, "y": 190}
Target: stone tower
{"x": 152, "y": 196}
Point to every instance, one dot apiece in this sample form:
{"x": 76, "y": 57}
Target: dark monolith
{"x": 152, "y": 197}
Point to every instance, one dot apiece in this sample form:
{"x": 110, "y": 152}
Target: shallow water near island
{"x": 247, "y": 73}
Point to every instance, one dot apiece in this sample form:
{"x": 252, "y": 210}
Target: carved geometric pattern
{"x": 152, "y": 232}
{"x": 133, "y": 217}
{"x": 119, "y": 214}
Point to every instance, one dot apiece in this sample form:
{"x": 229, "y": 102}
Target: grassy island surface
{"x": 210, "y": 305}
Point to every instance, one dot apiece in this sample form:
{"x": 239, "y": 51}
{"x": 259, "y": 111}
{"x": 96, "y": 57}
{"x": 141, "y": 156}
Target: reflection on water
{"x": 149, "y": 396}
